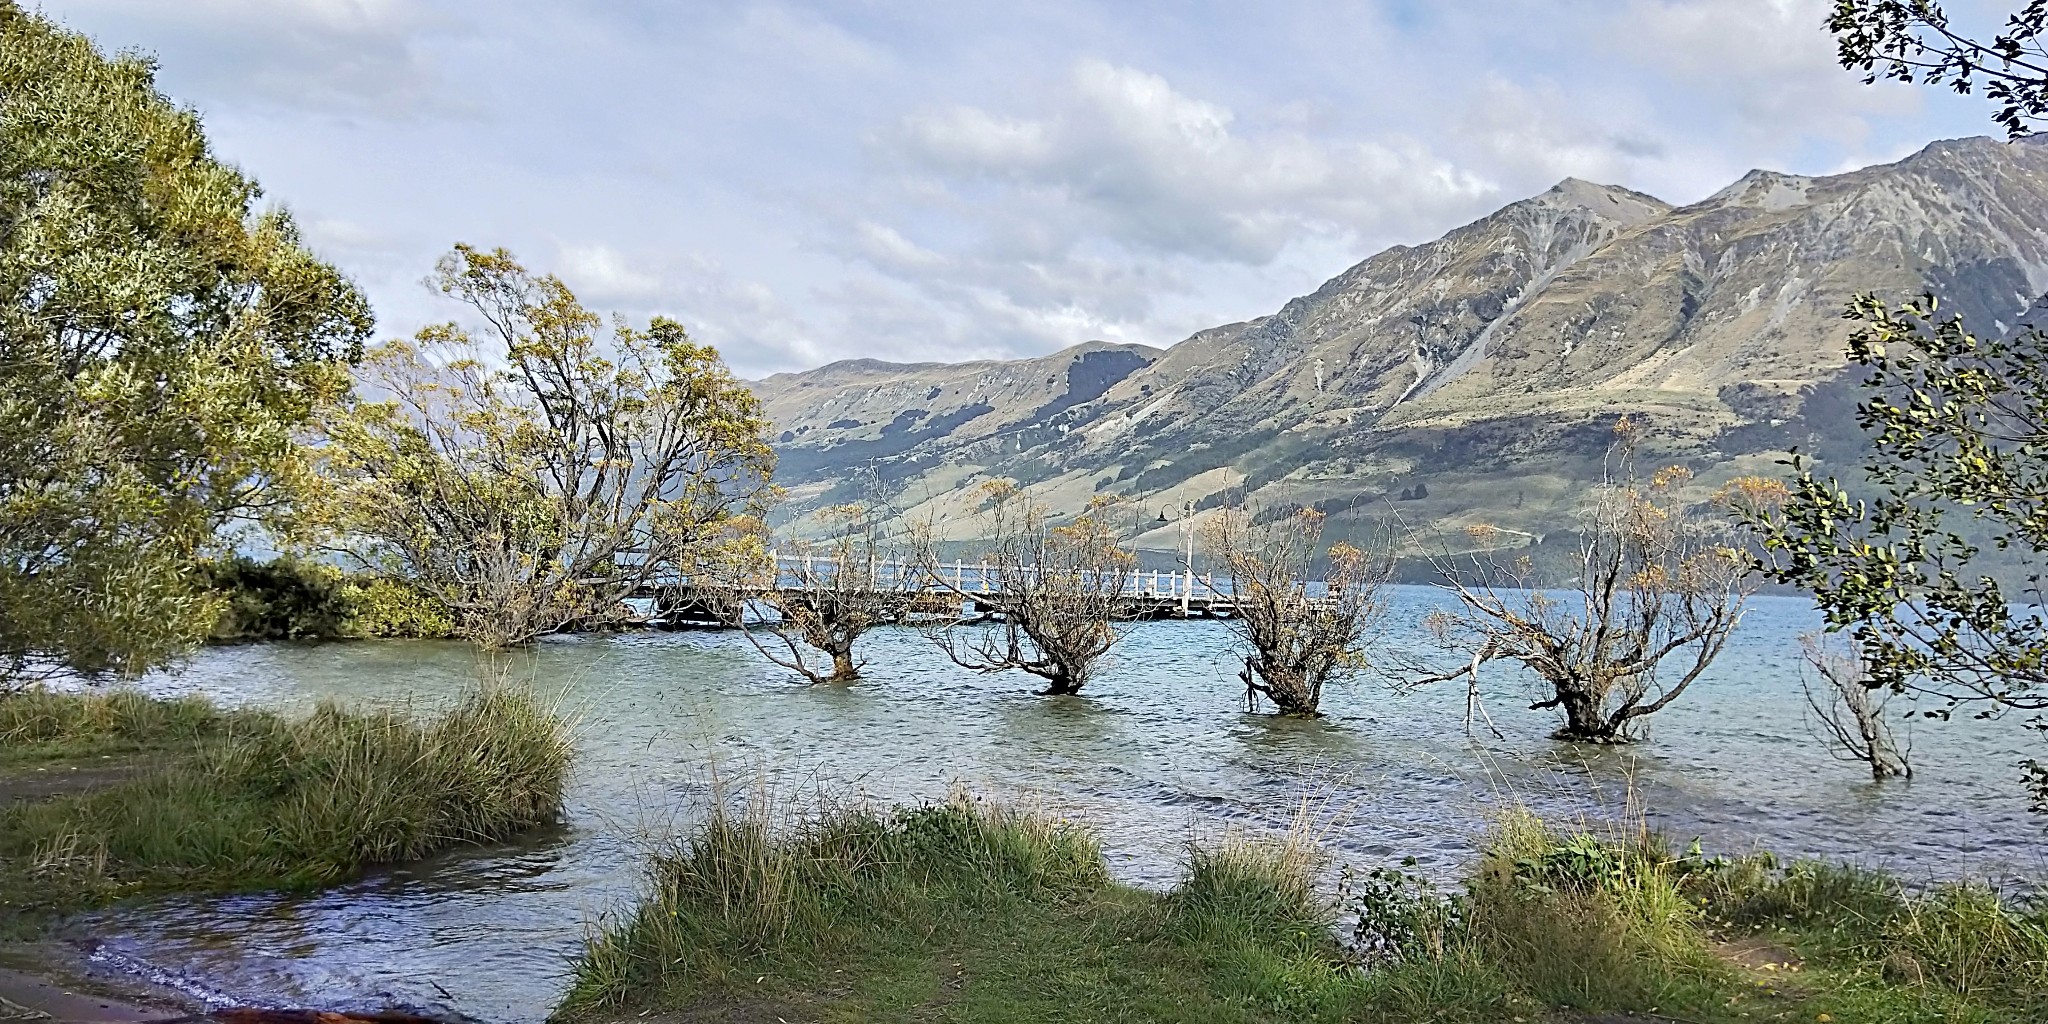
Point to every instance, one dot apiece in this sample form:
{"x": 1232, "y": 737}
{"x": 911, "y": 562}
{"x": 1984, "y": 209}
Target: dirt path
{"x": 46, "y": 779}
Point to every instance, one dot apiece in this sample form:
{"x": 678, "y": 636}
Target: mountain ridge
{"x": 1491, "y": 359}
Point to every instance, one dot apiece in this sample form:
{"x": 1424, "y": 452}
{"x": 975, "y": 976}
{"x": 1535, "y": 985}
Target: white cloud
{"x": 355, "y": 56}
{"x": 603, "y": 275}
{"x": 1121, "y": 153}
{"x": 1765, "y": 66}
{"x": 806, "y": 180}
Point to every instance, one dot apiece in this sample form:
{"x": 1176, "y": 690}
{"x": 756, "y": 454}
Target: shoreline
{"x": 51, "y": 981}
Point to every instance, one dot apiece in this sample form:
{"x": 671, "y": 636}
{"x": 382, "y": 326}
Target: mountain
{"x": 1484, "y": 370}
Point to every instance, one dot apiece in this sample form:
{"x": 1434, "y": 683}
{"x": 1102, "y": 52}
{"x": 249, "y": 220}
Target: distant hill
{"x": 1483, "y": 371}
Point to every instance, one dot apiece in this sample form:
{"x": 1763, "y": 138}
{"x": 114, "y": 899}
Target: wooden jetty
{"x": 959, "y": 591}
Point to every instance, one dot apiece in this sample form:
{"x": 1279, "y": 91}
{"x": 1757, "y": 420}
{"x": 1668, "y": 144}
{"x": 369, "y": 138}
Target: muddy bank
{"x": 47, "y": 981}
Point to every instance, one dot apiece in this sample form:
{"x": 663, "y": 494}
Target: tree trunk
{"x": 1584, "y": 720}
{"x": 1061, "y": 684}
{"x": 843, "y": 668}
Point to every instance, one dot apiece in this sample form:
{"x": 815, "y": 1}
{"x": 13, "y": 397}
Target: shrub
{"x": 290, "y": 598}
{"x": 382, "y": 607}
{"x": 286, "y": 598}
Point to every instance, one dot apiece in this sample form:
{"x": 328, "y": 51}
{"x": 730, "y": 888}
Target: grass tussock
{"x": 264, "y": 800}
{"x": 1966, "y": 950}
{"x": 754, "y": 890}
{"x": 38, "y": 724}
{"x": 973, "y": 911}
{"x": 1580, "y": 920}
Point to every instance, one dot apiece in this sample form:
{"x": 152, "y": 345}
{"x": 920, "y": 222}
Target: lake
{"x": 1157, "y": 751}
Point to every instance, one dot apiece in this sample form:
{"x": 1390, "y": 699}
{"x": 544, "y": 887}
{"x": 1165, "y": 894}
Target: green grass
{"x": 971, "y": 911}
{"x": 253, "y": 800}
{"x": 41, "y": 725}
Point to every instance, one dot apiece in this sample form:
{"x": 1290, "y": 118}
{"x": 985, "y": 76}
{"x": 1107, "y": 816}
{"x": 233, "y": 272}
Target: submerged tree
{"x": 826, "y": 596}
{"x": 1656, "y": 596}
{"x": 161, "y": 345}
{"x": 1850, "y": 710}
{"x": 535, "y": 481}
{"x": 1958, "y": 425}
{"x": 1959, "y": 463}
{"x": 1046, "y": 594}
{"x": 1300, "y": 633}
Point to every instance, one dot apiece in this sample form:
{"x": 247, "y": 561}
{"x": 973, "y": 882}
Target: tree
{"x": 1916, "y": 41}
{"x": 1959, "y": 434}
{"x": 826, "y": 596}
{"x": 1849, "y": 712}
{"x": 1048, "y": 593}
{"x": 1655, "y": 584}
{"x": 1299, "y": 635}
{"x": 161, "y": 347}
{"x": 534, "y": 483}
{"x": 1958, "y": 462}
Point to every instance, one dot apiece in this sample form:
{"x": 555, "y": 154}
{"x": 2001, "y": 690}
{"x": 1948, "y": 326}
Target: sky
{"x": 805, "y": 182}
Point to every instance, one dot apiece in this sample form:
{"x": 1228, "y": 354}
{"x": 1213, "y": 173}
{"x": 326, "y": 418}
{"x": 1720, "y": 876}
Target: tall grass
{"x": 39, "y": 723}
{"x": 1252, "y": 887}
{"x": 1965, "y": 938}
{"x": 970, "y": 910}
{"x": 285, "y": 801}
{"x": 1582, "y": 920}
{"x": 755, "y": 884}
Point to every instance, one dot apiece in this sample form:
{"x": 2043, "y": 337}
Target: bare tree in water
{"x": 1656, "y": 594}
{"x": 1046, "y": 594}
{"x": 1849, "y": 707}
{"x": 825, "y": 596}
{"x": 1300, "y": 633}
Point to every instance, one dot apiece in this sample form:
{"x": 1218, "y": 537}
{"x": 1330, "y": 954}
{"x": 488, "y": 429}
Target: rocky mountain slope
{"x": 1482, "y": 371}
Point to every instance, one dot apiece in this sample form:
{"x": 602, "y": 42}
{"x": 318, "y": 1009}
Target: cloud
{"x": 1072, "y": 217}
{"x": 353, "y": 56}
{"x": 1765, "y": 69}
{"x": 601, "y": 274}
{"x": 1121, "y": 153}
{"x": 808, "y": 180}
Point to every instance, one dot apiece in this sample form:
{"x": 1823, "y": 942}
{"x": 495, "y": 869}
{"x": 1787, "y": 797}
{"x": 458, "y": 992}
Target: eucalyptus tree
{"x": 162, "y": 343}
{"x": 533, "y": 476}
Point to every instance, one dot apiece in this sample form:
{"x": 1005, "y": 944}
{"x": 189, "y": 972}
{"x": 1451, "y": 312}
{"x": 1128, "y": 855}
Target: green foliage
{"x": 282, "y": 599}
{"x": 160, "y": 347}
{"x": 533, "y": 480}
{"x": 272, "y": 801}
{"x": 1915, "y": 40}
{"x": 379, "y": 606}
{"x": 291, "y": 598}
{"x": 1959, "y": 431}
